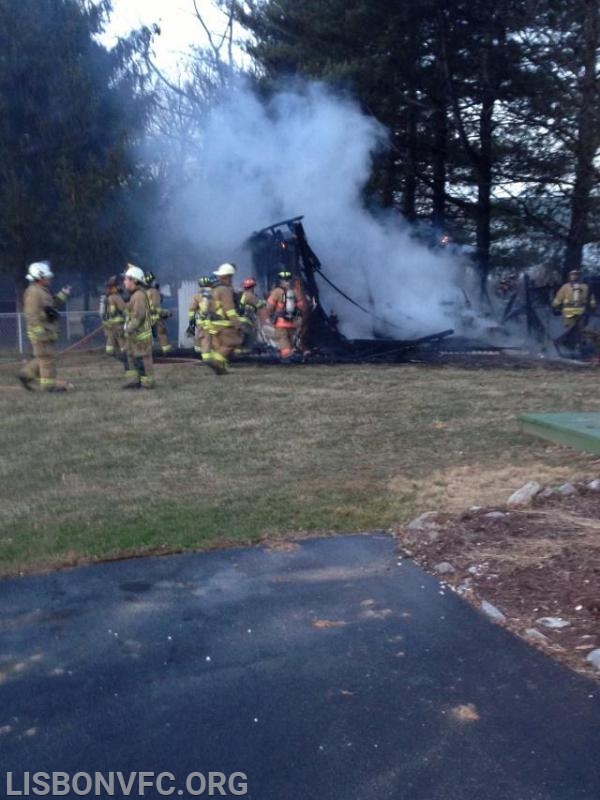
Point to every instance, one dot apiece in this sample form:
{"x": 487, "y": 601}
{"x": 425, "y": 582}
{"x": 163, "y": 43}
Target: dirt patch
{"x": 543, "y": 562}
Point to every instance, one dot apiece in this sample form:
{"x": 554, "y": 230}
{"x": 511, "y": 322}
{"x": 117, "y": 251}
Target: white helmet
{"x": 135, "y": 273}
{"x": 225, "y": 269}
{"x": 39, "y": 270}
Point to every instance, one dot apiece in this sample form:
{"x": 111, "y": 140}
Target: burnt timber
{"x": 284, "y": 245}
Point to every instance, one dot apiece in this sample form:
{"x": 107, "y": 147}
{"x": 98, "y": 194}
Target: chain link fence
{"x": 12, "y": 333}
{"x": 75, "y": 326}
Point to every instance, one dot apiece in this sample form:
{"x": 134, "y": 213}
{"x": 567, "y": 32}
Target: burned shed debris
{"x": 284, "y": 246}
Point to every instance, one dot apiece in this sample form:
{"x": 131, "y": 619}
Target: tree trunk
{"x": 588, "y": 140}
{"x": 440, "y": 139}
{"x": 388, "y": 181}
{"x": 440, "y": 153}
{"x": 409, "y": 189}
{"x": 484, "y": 173}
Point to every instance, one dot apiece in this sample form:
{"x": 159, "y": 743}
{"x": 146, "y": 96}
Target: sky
{"x": 177, "y": 20}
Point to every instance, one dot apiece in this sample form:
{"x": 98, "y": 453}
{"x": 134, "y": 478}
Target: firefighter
{"x": 225, "y": 326}
{"x": 112, "y": 314}
{"x": 249, "y": 305}
{"x": 249, "y": 302}
{"x": 507, "y": 285}
{"x": 157, "y": 314}
{"x": 284, "y": 309}
{"x": 574, "y": 300}
{"x": 199, "y": 317}
{"x": 41, "y": 314}
{"x": 138, "y": 332}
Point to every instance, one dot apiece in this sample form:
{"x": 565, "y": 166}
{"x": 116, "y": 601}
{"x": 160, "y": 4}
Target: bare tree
{"x": 588, "y": 137}
{"x": 220, "y": 42}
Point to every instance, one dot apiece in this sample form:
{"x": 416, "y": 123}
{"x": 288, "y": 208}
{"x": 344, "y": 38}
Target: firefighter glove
{"x": 51, "y": 313}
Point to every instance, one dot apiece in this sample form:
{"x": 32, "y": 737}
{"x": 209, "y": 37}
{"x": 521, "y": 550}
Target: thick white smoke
{"x": 309, "y": 152}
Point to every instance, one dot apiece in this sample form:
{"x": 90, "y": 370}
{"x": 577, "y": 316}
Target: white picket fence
{"x": 185, "y": 293}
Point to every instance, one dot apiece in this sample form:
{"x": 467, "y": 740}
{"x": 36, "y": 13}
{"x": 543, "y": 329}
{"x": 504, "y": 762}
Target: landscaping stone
{"x": 567, "y": 489}
{"x": 536, "y": 636}
{"x": 594, "y": 658}
{"x": 492, "y": 612}
{"x": 554, "y": 623}
{"x": 425, "y": 528}
{"x": 425, "y": 522}
{"x": 525, "y": 495}
{"x": 444, "y": 568}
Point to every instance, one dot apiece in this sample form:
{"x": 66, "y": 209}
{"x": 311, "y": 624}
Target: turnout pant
{"x": 249, "y": 339}
{"x": 42, "y": 366}
{"x": 160, "y": 331}
{"x": 115, "y": 339}
{"x": 140, "y": 367}
{"x": 574, "y": 330}
{"x": 284, "y": 339}
{"x": 223, "y": 343}
{"x": 202, "y": 345}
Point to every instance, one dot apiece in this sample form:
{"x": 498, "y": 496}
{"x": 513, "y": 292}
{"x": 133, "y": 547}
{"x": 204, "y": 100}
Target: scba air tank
{"x": 290, "y": 304}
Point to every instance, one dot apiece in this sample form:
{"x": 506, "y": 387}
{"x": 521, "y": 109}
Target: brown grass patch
{"x": 458, "y": 487}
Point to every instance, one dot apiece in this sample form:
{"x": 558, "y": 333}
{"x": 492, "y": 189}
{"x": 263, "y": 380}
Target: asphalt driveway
{"x": 325, "y": 669}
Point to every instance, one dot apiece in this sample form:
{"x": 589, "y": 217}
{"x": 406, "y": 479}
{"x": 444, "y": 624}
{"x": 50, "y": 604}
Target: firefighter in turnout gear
{"x": 574, "y": 300}
{"x": 249, "y": 305}
{"x": 157, "y": 314}
{"x": 283, "y": 307}
{"x": 199, "y": 317}
{"x": 41, "y": 314}
{"x": 112, "y": 314}
{"x": 225, "y": 323}
{"x": 249, "y": 302}
{"x": 138, "y": 332}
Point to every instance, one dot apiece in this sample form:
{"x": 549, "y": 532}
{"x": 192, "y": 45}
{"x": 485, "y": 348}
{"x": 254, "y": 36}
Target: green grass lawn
{"x": 264, "y": 452}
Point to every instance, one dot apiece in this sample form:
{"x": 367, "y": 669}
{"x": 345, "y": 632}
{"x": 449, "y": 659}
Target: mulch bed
{"x": 532, "y": 563}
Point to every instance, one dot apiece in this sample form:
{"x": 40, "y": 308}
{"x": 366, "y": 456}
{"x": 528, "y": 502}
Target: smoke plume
{"x": 307, "y": 151}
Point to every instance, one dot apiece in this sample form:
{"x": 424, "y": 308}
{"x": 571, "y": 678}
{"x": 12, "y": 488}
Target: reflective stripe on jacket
{"x": 115, "y": 309}
{"x": 223, "y": 310}
{"x": 36, "y": 300}
{"x": 138, "y": 324}
{"x": 200, "y": 307}
{"x": 574, "y": 299}
{"x": 154, "y": 301}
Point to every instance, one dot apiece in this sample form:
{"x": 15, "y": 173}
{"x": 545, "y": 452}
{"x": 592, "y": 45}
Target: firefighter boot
{"x": 132, "y": 379}
{"x": 26, "y": 381}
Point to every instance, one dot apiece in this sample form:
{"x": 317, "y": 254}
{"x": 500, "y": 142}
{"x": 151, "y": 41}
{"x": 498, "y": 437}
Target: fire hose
{"x": 81, "y": 341}
{"x": 66, "y": 350}
{"x": 354, "y": 303}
